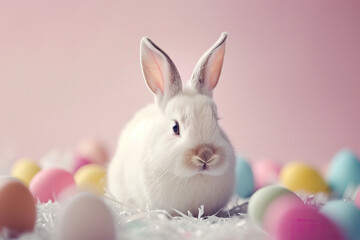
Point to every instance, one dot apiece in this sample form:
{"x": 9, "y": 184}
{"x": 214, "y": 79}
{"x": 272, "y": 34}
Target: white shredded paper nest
{"x": 230, "y": 224}
{"x": 157, "y": 224}
{"x": 152, "y": 224}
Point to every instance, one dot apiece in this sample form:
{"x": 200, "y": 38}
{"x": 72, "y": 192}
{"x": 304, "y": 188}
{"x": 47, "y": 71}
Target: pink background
{"x": 289, "y": 87}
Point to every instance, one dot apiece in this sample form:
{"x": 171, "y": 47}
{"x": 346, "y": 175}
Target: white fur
{"x": 148, "y": 168}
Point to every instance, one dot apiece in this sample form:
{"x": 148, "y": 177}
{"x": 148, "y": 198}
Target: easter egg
{"x": 261, "y": 199}
{"x": 345, "y": 215}
{"x": 92, "y": 150}
{"x": 343, "y": 172}
{"x": 48, "y": 184}
{"x": 24, "y": 170}
{"x": 289, "y": 221}
{"x": 244, "y": 186}
{"x": 91, "y": 177}
{"x": 80, "y": 162}
{"x": 299, "y": 176}
{"x": 276, "y": 209}
{"x": 86, "y": 217}
{"x": 17, "y": 207}
{"x": 357, "y": 199}
{"x": 266, "y": 172}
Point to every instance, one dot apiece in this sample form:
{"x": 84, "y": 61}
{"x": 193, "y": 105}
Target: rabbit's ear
{"x": 160, "y": 73}
{"x": 207, "y": 71}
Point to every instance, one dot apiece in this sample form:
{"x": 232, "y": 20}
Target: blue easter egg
{"x": 344, "y": 172}
{"x": 345, "y": 215}
{"x": 244, "y": 186}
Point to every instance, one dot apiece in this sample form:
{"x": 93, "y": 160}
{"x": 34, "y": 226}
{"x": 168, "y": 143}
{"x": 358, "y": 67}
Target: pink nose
{"x": 205, "y": 152}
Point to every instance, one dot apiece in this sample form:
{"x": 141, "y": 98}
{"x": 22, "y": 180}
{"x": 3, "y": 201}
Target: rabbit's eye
{"x": 176, "y": 128}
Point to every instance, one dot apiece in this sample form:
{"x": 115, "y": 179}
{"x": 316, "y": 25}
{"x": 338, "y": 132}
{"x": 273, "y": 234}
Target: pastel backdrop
{"x": 289, "y": 88}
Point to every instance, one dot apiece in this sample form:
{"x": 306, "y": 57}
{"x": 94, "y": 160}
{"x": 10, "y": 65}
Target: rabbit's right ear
{"x": 160, "y": 73}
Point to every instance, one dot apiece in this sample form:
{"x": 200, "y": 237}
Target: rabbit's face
{"x": 195, "y": 137}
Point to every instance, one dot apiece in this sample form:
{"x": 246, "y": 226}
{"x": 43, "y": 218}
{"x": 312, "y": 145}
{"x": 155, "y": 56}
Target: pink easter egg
{"x": 357, "y": 199}
{"x": 266, "y": 172}
{"x": 304, "y": 223}
{"x": 79, "y": 162}
{"x": 277, "y": 208}
{"x": 92, "y": 150}
{"x": 48, "y": 184}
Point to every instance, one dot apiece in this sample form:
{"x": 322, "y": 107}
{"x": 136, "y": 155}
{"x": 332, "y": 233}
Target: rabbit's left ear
{"x": 207, "y": 71}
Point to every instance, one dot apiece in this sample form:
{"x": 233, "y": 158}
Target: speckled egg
{"x": 343, "y": 172}
{"x": 345, "y": 215}
{"x": 91, "y": 177}
{"x": 86, "y": 217}
{"x": 25, "y": 169}
{"x": 17, "y": 207}
{"x": 49, "y": 183}
{"x": 244, "y": 178}
{"x": 299, "y": 176}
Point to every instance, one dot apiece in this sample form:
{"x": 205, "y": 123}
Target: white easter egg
{"x": 86, "y": 217}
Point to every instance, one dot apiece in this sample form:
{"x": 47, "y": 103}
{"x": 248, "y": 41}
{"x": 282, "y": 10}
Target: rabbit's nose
{"x": 205, "y": 152}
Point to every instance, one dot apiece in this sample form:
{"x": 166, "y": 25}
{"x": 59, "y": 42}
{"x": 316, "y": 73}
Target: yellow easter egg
{"x": 299, "y": 176}
{"x": 91, "y": 177}
{"x": 24, "y": 170}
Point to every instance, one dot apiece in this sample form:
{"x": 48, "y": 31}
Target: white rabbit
{"x": 173, "y": 154}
